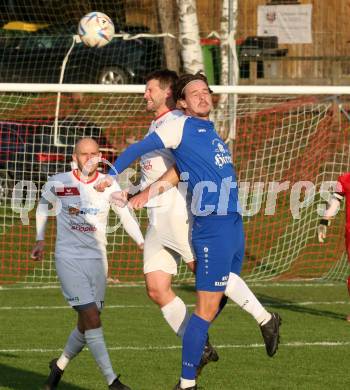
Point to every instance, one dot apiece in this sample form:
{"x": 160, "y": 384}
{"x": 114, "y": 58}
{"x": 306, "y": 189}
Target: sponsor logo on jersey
{"x": 159, "y": 123}
{"x": 89, "y": 210}
{"x": 75, "y": 209}
{"x": 68, "y": 191}
{"x": 83, "y": 227}
{"x": 222, "y": 155}
{"x": 146, "y": 165}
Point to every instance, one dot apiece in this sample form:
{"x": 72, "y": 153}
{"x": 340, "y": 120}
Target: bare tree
{"x": 189, "y": 36}
{"x": 168, "y": 17}
{"x": 224, "y": 46}
{"x": 225, "y": 113}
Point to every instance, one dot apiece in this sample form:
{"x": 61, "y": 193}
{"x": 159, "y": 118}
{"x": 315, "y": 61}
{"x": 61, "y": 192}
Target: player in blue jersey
{"x": 204, "y": 163}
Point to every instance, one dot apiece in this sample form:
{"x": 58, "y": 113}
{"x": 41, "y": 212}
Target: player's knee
{"x": 208, "y": 313}
{"x": 89, "y": 317}
{"x": 160, "y": 296}
{"x": 94, "y": 323}
{"x": 154, "y": 294}
{"x": 208, "y": 304}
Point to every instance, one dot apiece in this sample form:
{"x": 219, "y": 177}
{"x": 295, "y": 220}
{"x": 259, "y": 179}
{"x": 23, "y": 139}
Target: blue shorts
{"x": 218, "y": 242}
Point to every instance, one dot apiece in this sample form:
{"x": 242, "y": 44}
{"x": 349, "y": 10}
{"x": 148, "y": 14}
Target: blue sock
{"x": 193, "y": 343}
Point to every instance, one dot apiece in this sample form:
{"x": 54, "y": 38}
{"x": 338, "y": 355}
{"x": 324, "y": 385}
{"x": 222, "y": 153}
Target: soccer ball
{"x": 96, "y": 29}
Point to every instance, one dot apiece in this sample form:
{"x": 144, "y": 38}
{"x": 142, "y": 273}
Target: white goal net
{"x": 288, "y": 149}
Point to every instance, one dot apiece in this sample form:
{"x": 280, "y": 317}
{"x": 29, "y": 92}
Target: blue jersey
{"x": 202, "y": 158}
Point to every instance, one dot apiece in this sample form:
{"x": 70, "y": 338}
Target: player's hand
{"x": 119, "y": 198}
{"x": 138, "y": 201}
{"x": 321, "y": 232}
{"x": 102, "y": 184}
{"x": 38, "y": 250}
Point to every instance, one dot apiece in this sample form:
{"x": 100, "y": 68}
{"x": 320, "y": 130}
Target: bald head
{"x": 86, "y": 143}
{"x": 87, "y": 156}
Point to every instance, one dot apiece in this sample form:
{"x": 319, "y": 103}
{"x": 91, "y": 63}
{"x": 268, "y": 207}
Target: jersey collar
{"x": 164, "y": 113}
{"x": 75, "y": 174}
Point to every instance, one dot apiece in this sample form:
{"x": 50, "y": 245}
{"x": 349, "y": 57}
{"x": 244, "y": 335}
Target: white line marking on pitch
{"x": 126, "y": 285}
{"x": 172, "y": 347}
{"x": 282, "y": 304}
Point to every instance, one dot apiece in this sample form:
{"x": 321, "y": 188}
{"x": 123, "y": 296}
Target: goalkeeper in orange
{"x": 342, "y": 191}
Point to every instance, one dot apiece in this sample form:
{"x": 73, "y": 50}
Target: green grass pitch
{"x": 313, "y": 354}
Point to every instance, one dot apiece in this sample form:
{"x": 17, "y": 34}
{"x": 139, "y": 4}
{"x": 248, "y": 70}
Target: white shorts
{"x": 83, "y": 281}
{"x": 168, "y": 239}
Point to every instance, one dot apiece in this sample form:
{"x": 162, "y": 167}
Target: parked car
{"x": 37, "y": 57}
{"x": 30, "y": 151}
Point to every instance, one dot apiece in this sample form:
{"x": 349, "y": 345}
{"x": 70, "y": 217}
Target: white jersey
{"x": 154, "y": 164}
{"x": 82, "y": 216}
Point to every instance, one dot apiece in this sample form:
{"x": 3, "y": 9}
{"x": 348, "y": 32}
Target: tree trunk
{"x": 225, "y": 113}
{"x": 189, "y": 36}
{"x": 224, "y": 47}
{"x": 168, "y": 17}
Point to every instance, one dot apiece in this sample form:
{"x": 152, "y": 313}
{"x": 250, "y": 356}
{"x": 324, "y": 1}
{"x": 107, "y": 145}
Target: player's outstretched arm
{"x": 130, "y": 154}
{"x": 130, "y": 224}
{"x": 330, "y": 213}
{"x": 151, "y": 142}
{"x": 168, "y": 180}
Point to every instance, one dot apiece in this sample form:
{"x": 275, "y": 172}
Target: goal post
{"x": 290, "y": 145}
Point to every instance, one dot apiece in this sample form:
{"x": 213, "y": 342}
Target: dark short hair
{"x": 185, "y": 79}
{"x": 166, "y": 78}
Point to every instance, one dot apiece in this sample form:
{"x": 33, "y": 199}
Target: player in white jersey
{"x": 81, "y": 260}
{"x": 170, "y": 223}
{"x": 167, "y": 237}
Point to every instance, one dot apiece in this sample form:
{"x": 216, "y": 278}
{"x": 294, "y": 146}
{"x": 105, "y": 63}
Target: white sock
{"x": 96, "y": 343}
{"x": 240, "y": 293}
{"x": 185, "y": 383}
{"x": 75, "y": 343}
{"x": 176, "y": 315}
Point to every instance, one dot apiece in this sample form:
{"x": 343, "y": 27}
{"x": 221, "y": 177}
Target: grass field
{"x": 313, "y": 354}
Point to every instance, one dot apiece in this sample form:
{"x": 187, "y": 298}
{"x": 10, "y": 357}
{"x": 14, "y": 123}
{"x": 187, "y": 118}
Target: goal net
{"x": 288, "y": 149}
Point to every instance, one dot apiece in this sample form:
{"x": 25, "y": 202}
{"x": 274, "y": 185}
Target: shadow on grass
{"x": 285, "y": 304}
{"x": 20, "y": 379}
{"x": 295, "y": 307}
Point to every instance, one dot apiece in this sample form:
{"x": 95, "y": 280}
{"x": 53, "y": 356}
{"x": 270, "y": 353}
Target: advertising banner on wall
{"x": 290, "y": 23}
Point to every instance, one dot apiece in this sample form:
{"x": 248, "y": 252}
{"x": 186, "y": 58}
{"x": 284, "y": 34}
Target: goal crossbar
{"x": 136, "y": 88}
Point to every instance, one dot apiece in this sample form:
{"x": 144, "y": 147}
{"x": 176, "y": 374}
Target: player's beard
{"x": 204, "y": 110}
{"x": 87, "y": 170}
{"x": 149, "y": 105}
{"x": 152, "y": 105}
